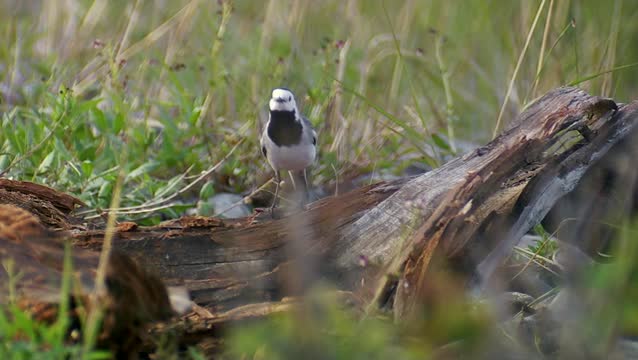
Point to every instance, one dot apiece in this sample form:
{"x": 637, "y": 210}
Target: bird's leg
{"x": 292, "y": 180}
{"x": 306, "y": 188}
{"x": 300, "y": 183}
{"x": 274, "y": 201}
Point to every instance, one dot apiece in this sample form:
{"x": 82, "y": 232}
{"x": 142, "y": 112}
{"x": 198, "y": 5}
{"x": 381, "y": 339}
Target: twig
{"x": 145, "y": 208}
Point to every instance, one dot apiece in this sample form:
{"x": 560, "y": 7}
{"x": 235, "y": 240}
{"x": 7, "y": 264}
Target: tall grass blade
{"x": 499, "y": 119}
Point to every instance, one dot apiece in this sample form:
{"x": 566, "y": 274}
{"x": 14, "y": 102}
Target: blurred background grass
{"x": 161, "y": 90}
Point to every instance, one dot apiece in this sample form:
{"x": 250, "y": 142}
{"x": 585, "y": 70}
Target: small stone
{"x": 226, "y": 205}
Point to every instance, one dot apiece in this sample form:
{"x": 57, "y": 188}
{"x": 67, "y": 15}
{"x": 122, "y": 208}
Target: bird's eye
{"x": 289, "y": 98}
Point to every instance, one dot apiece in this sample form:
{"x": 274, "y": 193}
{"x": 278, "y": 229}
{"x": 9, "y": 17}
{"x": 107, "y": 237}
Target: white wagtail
{"x": 288, "y": 142}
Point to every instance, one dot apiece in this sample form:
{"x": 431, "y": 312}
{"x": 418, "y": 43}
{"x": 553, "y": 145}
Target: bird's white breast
{"x": 294, "y": 157}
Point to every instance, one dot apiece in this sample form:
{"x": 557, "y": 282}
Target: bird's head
{"x": 282, "y": 100}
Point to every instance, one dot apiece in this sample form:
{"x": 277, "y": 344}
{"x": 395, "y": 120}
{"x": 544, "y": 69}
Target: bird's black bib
{"x": 284, "y": 129}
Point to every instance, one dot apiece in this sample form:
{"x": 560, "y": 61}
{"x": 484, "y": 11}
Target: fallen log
{"x": 395, "y": 225}
{"x": 379, "y": 243}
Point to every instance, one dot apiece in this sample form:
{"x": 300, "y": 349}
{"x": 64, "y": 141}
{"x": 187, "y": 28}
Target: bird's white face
{"x": 282, "y": 100}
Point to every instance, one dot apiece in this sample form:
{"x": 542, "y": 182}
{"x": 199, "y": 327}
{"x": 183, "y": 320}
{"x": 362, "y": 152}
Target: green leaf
{"x": 87, "y": 168}
{"x": 172, "y": 183}
{"x": 61, "y": 149}
{"x": 105, "y": 191}
{"x": 23, "y": 322}
{"x": 194, "y": 354}
{"x": 119, "y": 122}
{"x": 87, "y": 105}
{"x": 442, "y": 144}
{"x": 16, "y": 140}
{"x": 207, "y": 190}
{"x": 75, "y": 169}
{"x": 143, "y": 169}
{"x": 99, "y": 119}
{"x": 47, "y": 162}
{"x": 5, "y": 160}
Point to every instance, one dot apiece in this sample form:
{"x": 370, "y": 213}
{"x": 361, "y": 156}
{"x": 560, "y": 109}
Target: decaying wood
{"x": 471, "y": 211}
{"x": 34, "y": 255}
{"x": 52, "y": 207}
{"x": 607, "y": 192}
{"x": 230, "y": 264}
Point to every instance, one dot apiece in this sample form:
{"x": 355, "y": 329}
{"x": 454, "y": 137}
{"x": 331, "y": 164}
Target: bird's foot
{"x": 263, "y": 214}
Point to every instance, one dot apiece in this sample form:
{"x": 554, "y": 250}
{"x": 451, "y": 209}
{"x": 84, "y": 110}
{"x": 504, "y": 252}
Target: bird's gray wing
{"x": 308, "y": 126}
{"x": 262, "y": 145}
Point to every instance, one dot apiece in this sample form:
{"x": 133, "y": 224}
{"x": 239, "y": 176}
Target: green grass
{"x": 164, "y": 92}
{"x": 23, "y": 337}
{"x": 323, "y": 328}
{"x": 166, "y": 96}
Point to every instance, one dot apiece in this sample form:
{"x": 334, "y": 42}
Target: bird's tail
{"x": 300, "y": 184}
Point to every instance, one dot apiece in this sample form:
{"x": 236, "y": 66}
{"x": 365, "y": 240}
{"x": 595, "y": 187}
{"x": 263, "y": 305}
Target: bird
{"x": 288, "y": 141}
